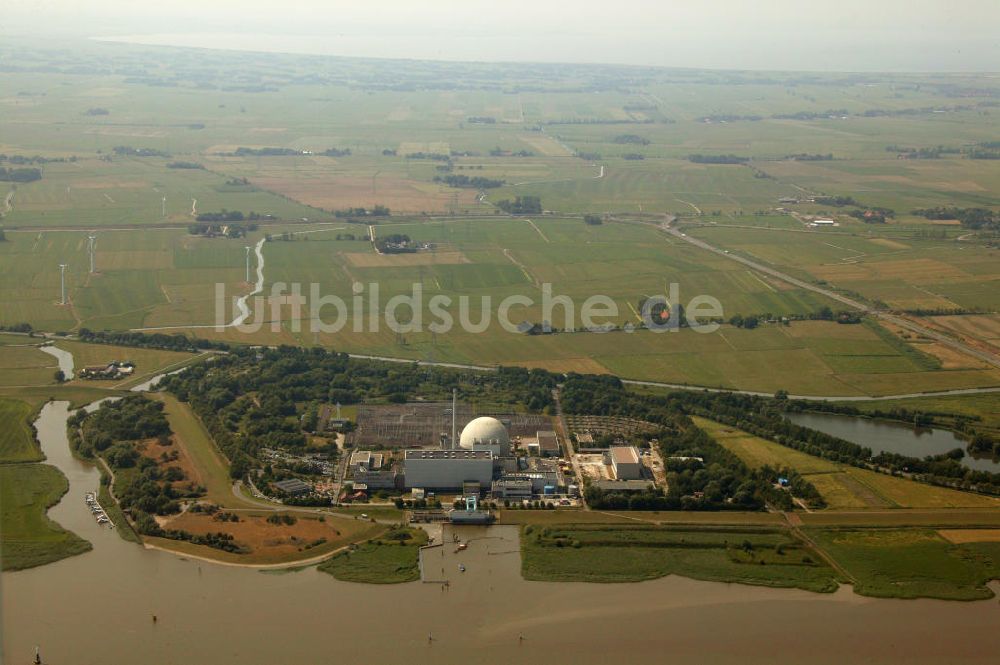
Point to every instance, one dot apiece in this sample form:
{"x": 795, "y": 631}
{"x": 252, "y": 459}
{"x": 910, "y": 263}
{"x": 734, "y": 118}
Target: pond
{"x": 892, "y": 437}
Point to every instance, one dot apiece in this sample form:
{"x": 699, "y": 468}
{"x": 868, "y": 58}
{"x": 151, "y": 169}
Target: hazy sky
{"x": 921, "y": 35}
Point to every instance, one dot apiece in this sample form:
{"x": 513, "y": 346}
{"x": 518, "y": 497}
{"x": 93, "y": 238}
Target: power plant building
{"x": 626, "y": 462}
{"x": 447, "y": 469}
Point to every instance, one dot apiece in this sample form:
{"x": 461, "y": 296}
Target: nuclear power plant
{"x": 481, "y": 460}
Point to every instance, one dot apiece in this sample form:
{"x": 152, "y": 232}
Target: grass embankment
{"x": 912, "y": 563}
{"x": 28, "y": 537}
{"x": 391, "y": 559}
{"x": 113, "y": 510}
{"x": 581, "y": 553}
{"x": 563, "y": 516}
{"x": 843, "y": 487}
{"x": 191, "y": 435}
{"x": 373, "y": 512}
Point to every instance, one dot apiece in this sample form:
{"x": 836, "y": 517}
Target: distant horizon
{"x": 913, "y": 36}
{"x": 237, "y": 42}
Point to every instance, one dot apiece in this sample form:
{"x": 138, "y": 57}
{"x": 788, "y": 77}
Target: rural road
{"x": 902, "y": 322}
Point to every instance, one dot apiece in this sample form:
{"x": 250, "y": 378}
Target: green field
{"x": 387, "y": 560}
{"x": 633, "y": 553}
{"x": 28, "y": 537}
{"x": 912, "y": 563}
{"x": 17, "y": 443}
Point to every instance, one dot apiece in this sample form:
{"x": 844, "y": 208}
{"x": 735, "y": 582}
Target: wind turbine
{"x": 164, "y": 206}
{"x": 62, "y": 281}
{"x": 248, "y": 263}
{"x": 91, "y": 246}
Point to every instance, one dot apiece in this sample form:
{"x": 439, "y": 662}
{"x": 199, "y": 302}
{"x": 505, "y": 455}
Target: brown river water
{"x": 98, "y": 607}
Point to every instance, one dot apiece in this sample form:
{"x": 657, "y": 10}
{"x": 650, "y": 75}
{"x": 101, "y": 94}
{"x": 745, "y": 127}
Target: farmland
{"x": 325, "y": 136}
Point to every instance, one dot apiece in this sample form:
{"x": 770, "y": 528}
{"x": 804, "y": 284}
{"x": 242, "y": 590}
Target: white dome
{"x": 484, "y": 431}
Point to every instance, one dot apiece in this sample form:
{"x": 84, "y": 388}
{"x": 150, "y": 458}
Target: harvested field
{"x": 268, "y": 542}
{"x": 373, "y": 260}
{"x": 959, "y": 536}
{"x": 337, "y": 192}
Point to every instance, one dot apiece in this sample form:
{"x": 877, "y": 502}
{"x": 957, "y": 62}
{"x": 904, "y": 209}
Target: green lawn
{"x": 28, "y": 537}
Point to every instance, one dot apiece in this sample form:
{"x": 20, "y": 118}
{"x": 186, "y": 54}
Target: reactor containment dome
{"x": 484, "y": 433}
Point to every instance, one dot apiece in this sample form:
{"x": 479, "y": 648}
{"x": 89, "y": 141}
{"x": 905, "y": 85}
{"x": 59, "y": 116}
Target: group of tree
{"x": 633, "y": 139}
{"x": 717, "y": 159}
{"x": 231, "y": 230}
{"x": 336, "y": 152}
{"x": 265, "y": 152}
{"x": 169, "y": 342}
{"x": 521, "y": 205}
{"x": 377, "y": 211}
{"x": 229, "y": 216}
{"x": 806, "y": 157}
{"x": 593, "y": 220}
{"x": 129, "y": 151}
{"x": 500, "y": 152}
{"x": 971, "y": 218}
{"x": 21, "y": 174}
{"x": 185, "y": 165}
{"x": 836, "y": 201}
{"x": 464, "y": 181}
{"x": 394, "y": 243}
{"x": 26, "y": 160}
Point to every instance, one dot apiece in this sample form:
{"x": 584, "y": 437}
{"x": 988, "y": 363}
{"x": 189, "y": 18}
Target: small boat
{"x": 461, "y": 568}
{"x": 462, "y": 546}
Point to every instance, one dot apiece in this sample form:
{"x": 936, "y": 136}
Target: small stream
{"x": 64, "y": 357}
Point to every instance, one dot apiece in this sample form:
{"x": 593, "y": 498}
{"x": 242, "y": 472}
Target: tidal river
{"x": 97, "y": 608}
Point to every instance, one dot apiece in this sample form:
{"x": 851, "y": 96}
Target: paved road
{"x": 570, "y": 452}
{"x": 987, "y": 357}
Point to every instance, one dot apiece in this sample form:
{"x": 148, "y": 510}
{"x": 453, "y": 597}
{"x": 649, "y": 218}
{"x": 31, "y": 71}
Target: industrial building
{"x": 293, "y": 487}
{"x": 510, "y": 487}
{"x": 544, "y": 444}
{"x": 447, "y": 469}
{"x": 367, "y": 470}
{"x": 626, "y": 462}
